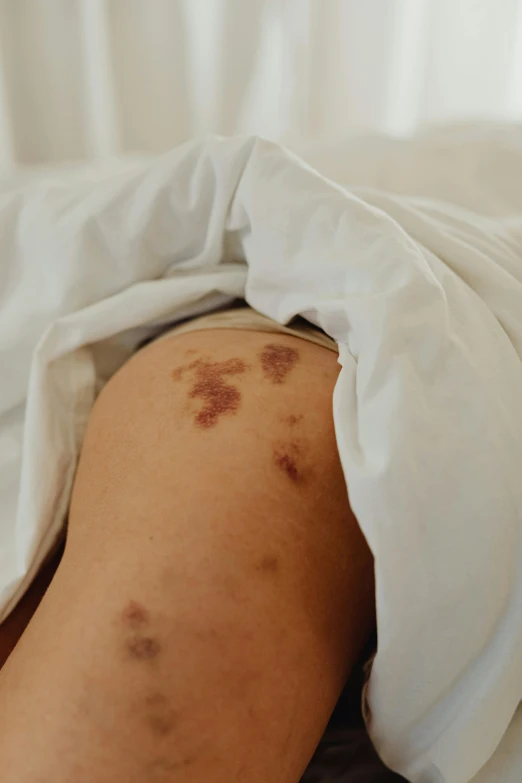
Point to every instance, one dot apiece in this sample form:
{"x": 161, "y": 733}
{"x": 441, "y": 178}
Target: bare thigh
{"x": 215, "y": 589}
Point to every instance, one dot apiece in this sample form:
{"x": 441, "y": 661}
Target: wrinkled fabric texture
{"x": 423, "y": 295}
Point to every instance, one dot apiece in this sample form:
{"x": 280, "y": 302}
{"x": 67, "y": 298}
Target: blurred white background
{"x": 92, "y": 78}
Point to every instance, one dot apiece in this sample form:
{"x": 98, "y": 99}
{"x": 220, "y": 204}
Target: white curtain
{"x": 84, "y": 79}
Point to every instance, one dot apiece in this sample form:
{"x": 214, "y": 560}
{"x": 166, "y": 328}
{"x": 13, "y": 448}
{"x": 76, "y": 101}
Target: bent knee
{"x": 246, "y": 406}
{"x": 211, "y": 382}
{"x": 211, "y": 461}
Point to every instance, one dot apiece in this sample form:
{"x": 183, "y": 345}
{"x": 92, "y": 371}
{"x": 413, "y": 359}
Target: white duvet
{"x": 423, "y": 294}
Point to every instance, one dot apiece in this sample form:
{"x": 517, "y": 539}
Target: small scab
{"x": 143, "y": 648}
{"x": 277, "y": 360}
{"x": 135, "y": 615}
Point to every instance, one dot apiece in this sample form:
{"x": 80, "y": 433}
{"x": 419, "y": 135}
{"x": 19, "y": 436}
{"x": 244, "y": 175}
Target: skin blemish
{"x": 269, "y": 564}
{"x": 286, "y": 458}
{"x": 277, "y": 361}
{"x": 143, "y": 648}
{"x": 212, "y": 387}
{"x": 179, "y": 372}
{"x": 135, "y": 615}
{"x": 292, "y": 420}
{"x": 161, "y": 724}
{"x": 158, "y": 715}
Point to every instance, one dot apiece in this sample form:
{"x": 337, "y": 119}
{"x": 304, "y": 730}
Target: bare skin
{"x": 215, "y": 590}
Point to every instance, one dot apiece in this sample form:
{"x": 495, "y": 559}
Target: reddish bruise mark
{"x": 143, "y": 648}
{"x": 292, "y": 420}
{"x": 219, "y": 397}
{"x": 277, "y": 360}
{"x": 285, "y": 457}
{"x": 135, "y": 615}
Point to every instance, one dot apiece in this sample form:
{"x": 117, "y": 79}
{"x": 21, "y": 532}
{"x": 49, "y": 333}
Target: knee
{"x": 211, "y": 461}
{"x": 238, "y": 404}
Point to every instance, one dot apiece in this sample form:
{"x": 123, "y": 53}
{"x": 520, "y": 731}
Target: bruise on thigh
{"x": 211, "y": 384}
{"x": 139, "y": 643}
{"x": 277, "y": 361}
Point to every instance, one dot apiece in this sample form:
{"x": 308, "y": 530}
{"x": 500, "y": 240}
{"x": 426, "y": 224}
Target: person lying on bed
{"x": 215, "y": 590}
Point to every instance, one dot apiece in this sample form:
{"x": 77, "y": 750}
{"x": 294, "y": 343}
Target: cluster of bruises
{"x": 140, "y": 645}
{"x": 212, "y": 384}
{"x": 160, "y": 717}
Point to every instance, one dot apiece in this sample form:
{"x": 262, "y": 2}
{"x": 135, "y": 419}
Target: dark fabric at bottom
{"x": 345, "y": 753}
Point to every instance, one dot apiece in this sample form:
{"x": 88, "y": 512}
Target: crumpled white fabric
{"x": 424, "y": 298}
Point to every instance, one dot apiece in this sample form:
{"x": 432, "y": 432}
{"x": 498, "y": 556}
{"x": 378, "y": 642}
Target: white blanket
{"x": 425, "y": 300}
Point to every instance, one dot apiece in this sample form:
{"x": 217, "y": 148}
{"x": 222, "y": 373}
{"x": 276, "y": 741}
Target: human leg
{"x": 215, "y": 589}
